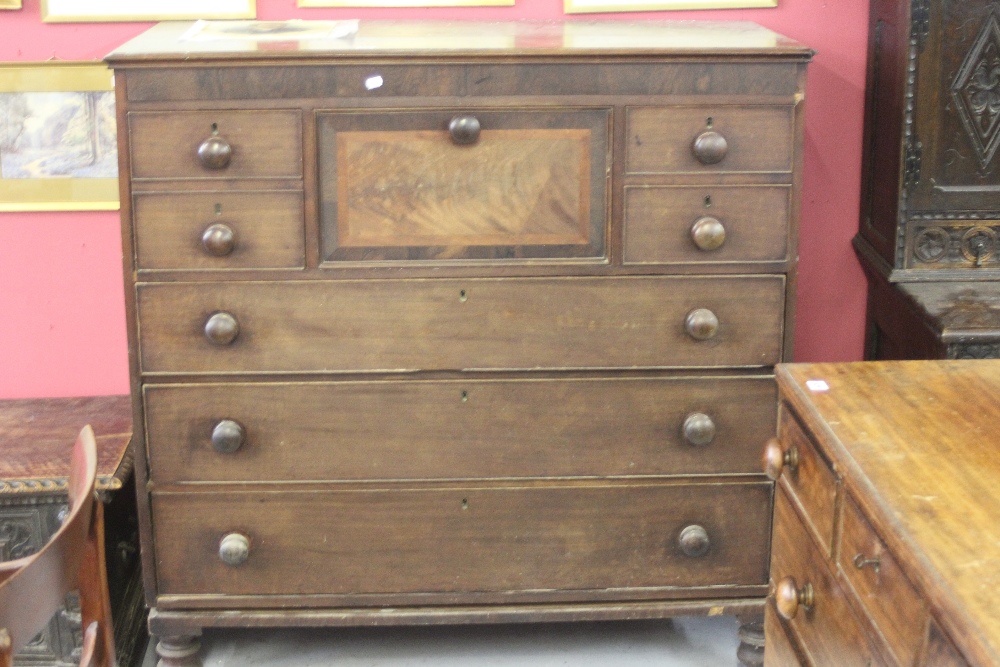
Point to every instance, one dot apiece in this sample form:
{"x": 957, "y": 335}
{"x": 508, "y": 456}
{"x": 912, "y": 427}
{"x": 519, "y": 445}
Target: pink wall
{"x": 62, "y": 326}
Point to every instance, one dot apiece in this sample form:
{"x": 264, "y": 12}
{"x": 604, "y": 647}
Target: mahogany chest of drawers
{"x": 438, "y": 323}
{"x": 886, "y": 546}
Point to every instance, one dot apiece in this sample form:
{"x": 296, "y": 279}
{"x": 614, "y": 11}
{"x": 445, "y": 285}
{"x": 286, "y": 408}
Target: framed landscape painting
{"x": 58, "y": 139}
{"x": 585, "y": 6}
{"x": 81, "y": 11}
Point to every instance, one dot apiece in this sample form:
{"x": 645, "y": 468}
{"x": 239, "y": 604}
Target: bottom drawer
{"x": 459, "y": 540}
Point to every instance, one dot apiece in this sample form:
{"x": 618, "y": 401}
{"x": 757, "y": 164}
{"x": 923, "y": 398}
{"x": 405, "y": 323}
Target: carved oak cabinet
{"x": 450, "y": 323}
{"x": 930, "y": 210}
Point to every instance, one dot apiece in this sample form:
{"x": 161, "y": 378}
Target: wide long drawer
{"x": 437, "y": 324}
{"x": 457, "y": 429}
{"x": 462, "y": 539}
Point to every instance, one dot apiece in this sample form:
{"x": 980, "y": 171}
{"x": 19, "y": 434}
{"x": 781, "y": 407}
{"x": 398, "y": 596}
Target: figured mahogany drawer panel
{"x": 666, "y": 225}
{"x": 218, "y": 230}
{"x": 499, "y": 185}
{"x": 461, "y": 539}
{"x": 894, "y": 606}
{"x": 738, "y": 138}
{"x": 525, "y": 323}
{"x": 826, "y": 630}
{"x": 262, "y": 144}
{"x": 810, "y": 480}
{"x": 458, "y": 429}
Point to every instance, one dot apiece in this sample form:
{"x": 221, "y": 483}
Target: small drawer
{"x": 457, "y": 429}
{"x": 218, "y": 230}
{"x": 455, "y": 324}
{"x": 463, "y": 184}
{"x": 807, "y": 595}
{"x": 895, "y": 608}
{"x": 705, "y": 225}
{"x": 216, "y": 144}
{"x": 462, "y": 540}
{"x": 794, "y": 461}
{"x": 710, "y": 139}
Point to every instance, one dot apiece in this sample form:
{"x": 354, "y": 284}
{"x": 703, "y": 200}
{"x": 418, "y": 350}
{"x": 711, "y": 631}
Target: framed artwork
{"x": 10, "y": 4}
{"x": 587, "y": 6}
{"x": 58, "y": 138}
{"x": 82, "y": 11}
{"x": 405, "y": 3}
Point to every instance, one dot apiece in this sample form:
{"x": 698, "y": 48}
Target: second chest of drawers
{"x": 451, "y": 331}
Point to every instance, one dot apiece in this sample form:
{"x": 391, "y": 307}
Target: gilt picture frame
{"x": 58, "y": 143}
{"x": 597, "y": 6}
{"x": 10, "y": 4}
{"x": 89, "y": 11}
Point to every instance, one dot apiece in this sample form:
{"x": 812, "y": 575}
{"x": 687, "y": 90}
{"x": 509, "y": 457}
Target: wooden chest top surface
{"x": 917, "y": 443}
{"x": 215, "y": 39}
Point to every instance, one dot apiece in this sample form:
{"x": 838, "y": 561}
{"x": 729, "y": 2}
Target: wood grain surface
{"x": 37, "y": 436}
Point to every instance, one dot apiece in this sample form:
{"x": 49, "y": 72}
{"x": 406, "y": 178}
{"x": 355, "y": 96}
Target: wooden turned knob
{"x": 464, "y": 130}
{"x": 234, "y": 549}
{"x": 701, "y": 324}
{"x": 699, "y": 429}
{"x": 776, "y": 459}
{"x": 694, "y": 541}
{"x": 218, "y": 240}
{"x": 710, "y": 147}
{"x": 215, "y": 153}
{"x": 708, "y": 233}
{"x": 788, "y": 598}
{"x": 221, "y": 329}
{"x": 228, "y": 436}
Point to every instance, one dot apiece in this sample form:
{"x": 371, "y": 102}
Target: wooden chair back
{"x": 34, "y": 588}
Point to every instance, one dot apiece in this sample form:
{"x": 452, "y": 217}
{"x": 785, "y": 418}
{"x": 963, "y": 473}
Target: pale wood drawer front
{"x": 710, "y": 139}
{"x": 260, "y": 144}
{"x": 457, "y": 429}
{"x": 809, "y": 479}
{"x": 461, "y": 539}
{"x": 705, "y": 225}
{"x": 461, "y": 184}
{"x": 895, "y": 607}
{"x": 384, "y": 325}
{"x": 218, "y": 230}
{"x": 826, "y": 628}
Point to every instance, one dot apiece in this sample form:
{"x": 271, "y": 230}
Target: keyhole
{"x": 218, "y": 209}
{"x": 215, "y": 129}
{"x": 463, "y": 296}
{"x": 465, "y": 503}
{"x": 465, "y": 396}
{"x": 709, "y": 122}
{"x": 708, "y": 201}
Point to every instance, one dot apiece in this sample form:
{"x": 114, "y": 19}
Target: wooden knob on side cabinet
{"x": 464, "y": 130}
{"x": 694, "y": 541}
{"x": 234, "y": 549}
{"x": 788, "y": 598}
{"x": 776, "y": 460}
{"x": 710, "y": 147}
{"x": 699, "y": 429}
{"x": 228, "y": 436}
{"x": 221, "y": 328}
{"x": 215, "y": 153}
{"x": 708, "y": 233}
{"x": 701, "y": 324}
{"x": 218, "y": 240}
